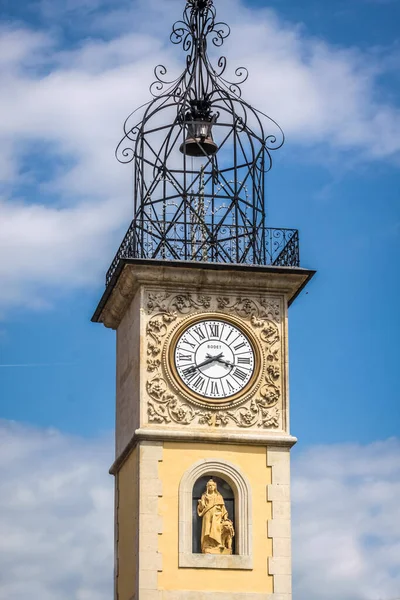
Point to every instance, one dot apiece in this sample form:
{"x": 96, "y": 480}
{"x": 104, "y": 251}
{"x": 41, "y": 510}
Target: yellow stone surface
{"x": 127, "y": 515}
{"x": 160, "y": 436}
{"x": 177, "y": 458}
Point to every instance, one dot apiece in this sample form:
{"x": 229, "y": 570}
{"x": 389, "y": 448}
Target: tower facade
{"x": 198, "y": 295}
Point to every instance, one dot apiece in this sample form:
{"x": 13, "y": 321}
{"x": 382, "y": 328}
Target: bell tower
{"x": 198, "y": 294}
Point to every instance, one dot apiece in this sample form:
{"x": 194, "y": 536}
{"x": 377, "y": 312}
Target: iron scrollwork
{"x": 208, "y": 208}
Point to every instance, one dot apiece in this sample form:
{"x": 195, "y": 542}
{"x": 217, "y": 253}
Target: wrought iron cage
{"x": 200, "y": 154}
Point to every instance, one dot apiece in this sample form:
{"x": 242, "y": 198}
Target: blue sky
{"x": 328, "y": 72}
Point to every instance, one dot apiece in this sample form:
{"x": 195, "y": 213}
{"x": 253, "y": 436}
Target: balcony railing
{"x": 230, "y": 244}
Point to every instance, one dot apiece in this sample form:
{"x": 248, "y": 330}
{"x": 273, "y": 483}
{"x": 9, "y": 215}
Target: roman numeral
{"x": 242, "y": 360}
{"x": 198, "y": 331}
{"x": 230, "y": 333}
{"x": 239, "y": 374}
{"x": 214, "y": 330}
{"x": 199, "y": 384}
{"x": 184, "y": 356}
{"x": 230, "y": 387}
{"x": 239, "y": 346}
{"x": 214, "y": 387}
{"x": 189, "y": 343}
{"x": 189, "y": 373}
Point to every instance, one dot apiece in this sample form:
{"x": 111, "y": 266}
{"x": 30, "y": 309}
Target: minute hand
{"x": 225, "y": 362}
{"x": 206, "y": 362}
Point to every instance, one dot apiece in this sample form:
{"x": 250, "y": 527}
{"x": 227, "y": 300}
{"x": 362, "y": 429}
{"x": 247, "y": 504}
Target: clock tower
{"x": 198, "y": 294}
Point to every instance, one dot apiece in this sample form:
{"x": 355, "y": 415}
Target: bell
{"x": 199, "y": 141}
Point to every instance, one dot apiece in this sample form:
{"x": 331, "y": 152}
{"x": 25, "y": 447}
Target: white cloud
{"x": 59, "y": 247}
{"x": 56, "y": 519}
{"x": 65, "y": 108}
{"x": 320, "y": 94}
{"x": 17, "y": 49}
{"x": 347, "y": 522}
{"x": 56, "y": 516}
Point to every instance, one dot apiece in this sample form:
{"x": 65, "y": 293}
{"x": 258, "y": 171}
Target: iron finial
{"x": 200, "y": 154}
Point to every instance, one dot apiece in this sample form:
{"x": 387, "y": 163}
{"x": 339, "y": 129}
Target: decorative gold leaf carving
{"x": 153, "y": 364}
{"x": 157, "y": 302}
{"x": 257, "y": 413}
{"x": 257, "y": 310}
{"x": 183, "y": 303}
{"x": 157, "y": 413}
{"x": 270, "y": 418}
{"x": 274, "y": 372}
{"x": 273, "y": 356}
{"x": 157, "y": 388}
{"x": 165, "y": 406}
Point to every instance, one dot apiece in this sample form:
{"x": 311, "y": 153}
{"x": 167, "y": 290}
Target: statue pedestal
{"x": 218, "y": 550}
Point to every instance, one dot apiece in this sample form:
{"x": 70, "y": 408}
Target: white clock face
{"x": 214, "y": 359}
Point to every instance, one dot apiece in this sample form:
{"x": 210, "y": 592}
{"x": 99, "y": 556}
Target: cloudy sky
{"x": 70, "y": 72}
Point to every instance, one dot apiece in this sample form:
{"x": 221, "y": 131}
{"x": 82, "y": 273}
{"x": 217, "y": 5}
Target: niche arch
{"x": 229, "y": 500}
{"x": 243, "y": 516}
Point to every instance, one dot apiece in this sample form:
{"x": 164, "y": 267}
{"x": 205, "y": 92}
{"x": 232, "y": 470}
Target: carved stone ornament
{"x": 217, "y": 529}
{"x": 166, "y": 404}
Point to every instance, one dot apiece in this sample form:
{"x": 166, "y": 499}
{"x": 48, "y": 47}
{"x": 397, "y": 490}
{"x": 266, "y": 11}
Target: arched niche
{"x": 230, "y": 473}
{"x": 228, "y": 495}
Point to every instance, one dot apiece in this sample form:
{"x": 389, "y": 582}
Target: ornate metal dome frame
{"x": 208, "y": 207}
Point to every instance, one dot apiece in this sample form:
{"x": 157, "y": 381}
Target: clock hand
{"x": 209, "y": 360}
{"x": 225, "y": 362}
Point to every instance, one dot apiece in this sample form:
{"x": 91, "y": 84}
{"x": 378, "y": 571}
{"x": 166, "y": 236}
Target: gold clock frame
{"x": 212, "y": 403}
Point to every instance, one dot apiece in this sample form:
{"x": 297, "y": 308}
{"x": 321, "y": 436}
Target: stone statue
{"x": 217, "y": 529}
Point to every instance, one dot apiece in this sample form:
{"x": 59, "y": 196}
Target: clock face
{"x": 214, "y": 359}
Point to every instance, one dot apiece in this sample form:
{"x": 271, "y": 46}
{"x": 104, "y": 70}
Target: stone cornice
{"x": 131, "y": 274}
{"x": 163, "y": 435}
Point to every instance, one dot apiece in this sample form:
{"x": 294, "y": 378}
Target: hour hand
{"x": 208, "y": 360}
